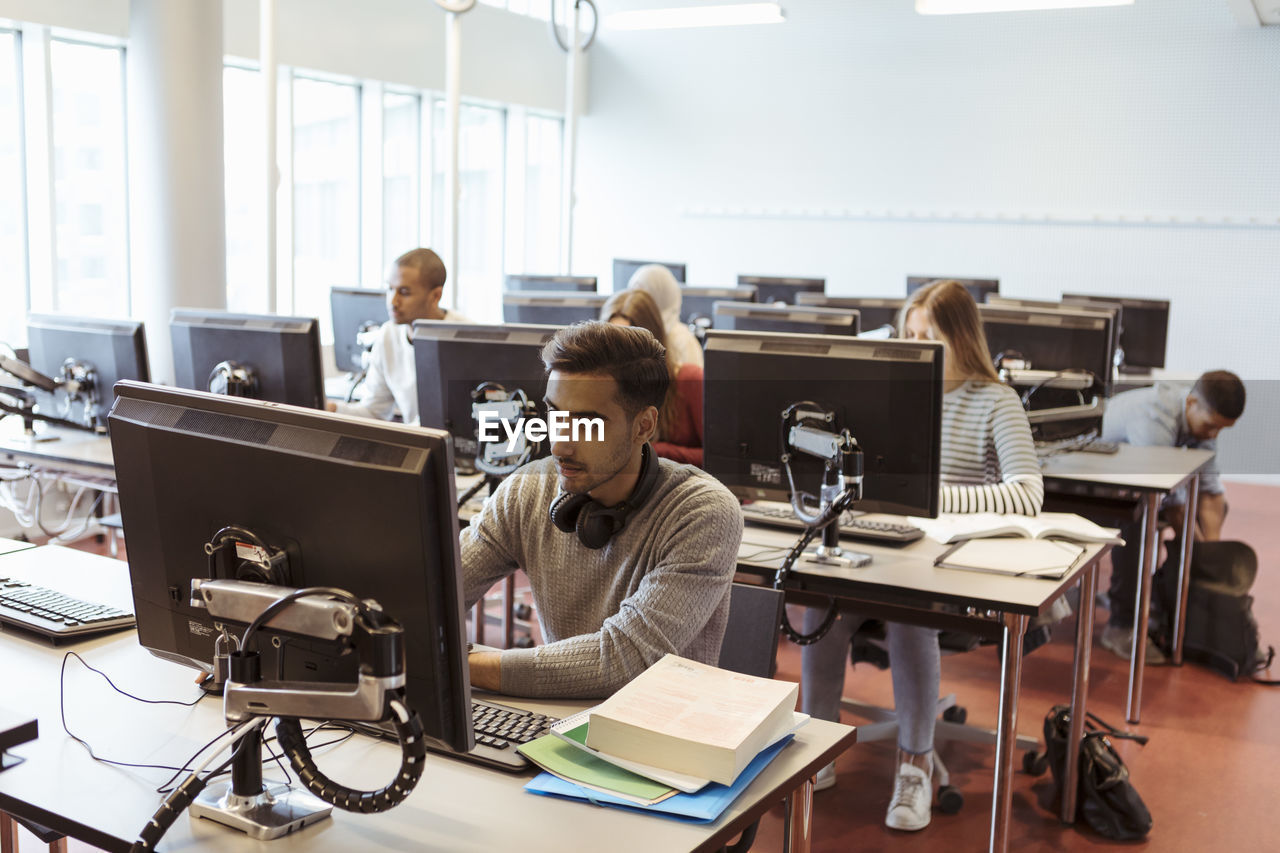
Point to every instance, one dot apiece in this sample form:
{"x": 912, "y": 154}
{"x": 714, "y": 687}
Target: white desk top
{"x": 457, "y": 807}
{"x": 1152, "y": 469}
{"x": 906, "y": 576}
{"x": 86, "y": 452}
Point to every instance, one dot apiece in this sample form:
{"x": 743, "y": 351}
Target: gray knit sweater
{"x": 661, "y": 585}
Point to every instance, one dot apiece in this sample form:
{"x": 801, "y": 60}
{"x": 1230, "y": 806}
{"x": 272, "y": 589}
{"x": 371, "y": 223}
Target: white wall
{"x": 862, "y": 142}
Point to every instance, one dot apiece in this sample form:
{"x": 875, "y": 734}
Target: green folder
{"x": 562, "y": 759}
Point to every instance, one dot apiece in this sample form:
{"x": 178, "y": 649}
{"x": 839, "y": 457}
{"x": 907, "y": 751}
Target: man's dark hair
{"x": 426, "y": 264}
{"x": 1222, "y": 391}
{"x": 635, "y": 360}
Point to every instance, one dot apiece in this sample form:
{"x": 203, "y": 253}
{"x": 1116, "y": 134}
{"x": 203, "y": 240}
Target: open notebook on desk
{"x": 1039, "y": 558}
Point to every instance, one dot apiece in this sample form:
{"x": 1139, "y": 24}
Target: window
{"x": 477, "y": 281}
{"x": 400, "y": 175}
{"x": 91, "y": 235}
{"x": 244, "y": 156}
{"x": 326, "y": 195}
{"x": 542, "y": 194}
{"x": 13, "y": 279}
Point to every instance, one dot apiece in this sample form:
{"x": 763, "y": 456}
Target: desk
{"x": 902, "y": 585}
{"x": 456, "y": 808}
{"x": 1144, "y": 475}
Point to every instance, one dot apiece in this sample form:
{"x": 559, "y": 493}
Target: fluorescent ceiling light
{"x": 738, "y": 14}
{"x": 967, "y": 7}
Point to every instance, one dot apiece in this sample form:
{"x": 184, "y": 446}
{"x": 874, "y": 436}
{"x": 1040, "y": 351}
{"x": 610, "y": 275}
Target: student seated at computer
{"x": 1168, "y": 414}
{"x": 414, "y": 288}
{"x": 680, "y": 416}
{"x": 988, "y": 464}
{"x": 629, "y": 556}
{"x": 657, "y": 281}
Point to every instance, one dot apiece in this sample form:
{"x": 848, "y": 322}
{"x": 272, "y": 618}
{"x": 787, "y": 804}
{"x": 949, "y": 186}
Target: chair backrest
{"x": 751, "y": 637}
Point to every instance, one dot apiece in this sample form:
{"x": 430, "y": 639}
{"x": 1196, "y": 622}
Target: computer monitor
{"x": 362, "y": 505}
{"x": 797, "y": 319}
{"x": 887, "y": 393}
{"x": 357, "y": 313}
{"x": 580, "y": 283}
{"x": 978, "y": 287}
{"x": 551, "y": 308}
{"x": 698, "y": 303}
{"x": 624, "y": 269}
{"x": 262, "y": 356}
{"x": 100, "y": 351}
{"x": 1054, "y": 339}
{"x": 1144, "y": 331}
{"x": 454, "y": 359}
{"x": 773, "y": 289}
{"x": 873, "y": 312}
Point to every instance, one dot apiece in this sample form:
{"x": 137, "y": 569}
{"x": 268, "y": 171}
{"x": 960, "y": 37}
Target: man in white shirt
{"x": 414, "y": 288}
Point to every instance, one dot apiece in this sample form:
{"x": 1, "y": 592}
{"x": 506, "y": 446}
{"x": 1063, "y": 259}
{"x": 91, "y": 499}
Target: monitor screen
{"x": 773, "y": 289}
{"x": 102, "y": 351}
{"x": 1053, "y": 339}
{"x": 454, "y": 359}
{"x": 698, "y": 303}
{"x": 362, "y": 505}
{"x": 624, "y": 269}
{"x": 548, "y": 308}
{"x": 888, "y": 394}
{"x": 1144, "y": 330}
{"x": 978, "y": 287}
{"x": 357, "y": 311}
{"x": 873, "y": 312}
{"x": 797, "y": 319}
{"x": 274, "y": 358}
{"x": 580, "y": 283}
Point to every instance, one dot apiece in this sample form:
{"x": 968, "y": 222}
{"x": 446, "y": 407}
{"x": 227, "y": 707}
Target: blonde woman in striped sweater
{"x": 988, "y": 464}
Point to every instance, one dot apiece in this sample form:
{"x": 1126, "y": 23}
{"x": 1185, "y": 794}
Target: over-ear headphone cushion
{"x": 596, "y": 524}
{"x": 565, "y": 510}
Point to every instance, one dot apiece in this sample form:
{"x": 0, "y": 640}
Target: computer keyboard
{"x": 499, "y": 729}
{"x": 1075, "y": 444}
{"x": 881, "y": 529}
{"x": 55, "y": 615}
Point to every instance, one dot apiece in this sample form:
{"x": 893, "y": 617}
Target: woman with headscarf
{"x": 657, "y": 281}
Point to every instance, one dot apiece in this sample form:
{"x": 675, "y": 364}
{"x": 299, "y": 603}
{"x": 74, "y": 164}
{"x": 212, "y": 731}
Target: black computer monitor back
{"x": 1144, "y": 332}
{"x": 887, "y": 393}
{"x": 454, "y": 359}
{"x": 355, "y": 309}
{"x": 1053, "y": 339}
{"x": 551, "y": 308}
{"x": 784, "y": 289}
{"x": 697, "y": 304}
{"x": 978, "y": 287}
{"x": 873, "y": 312}
{"x": 623, "y": 270}
{"x": 113, "y": 349}
{"x": 282, "y": 352}
{"x": 580, "y": 283}
{"x": 795, "y": 319}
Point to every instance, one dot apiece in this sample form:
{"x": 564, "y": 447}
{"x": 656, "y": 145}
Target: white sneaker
{"x": 826, "y": 778}
{"x": 911, "y": 806}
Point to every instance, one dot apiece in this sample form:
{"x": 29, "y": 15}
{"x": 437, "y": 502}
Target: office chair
{"x": 751, "y": 646}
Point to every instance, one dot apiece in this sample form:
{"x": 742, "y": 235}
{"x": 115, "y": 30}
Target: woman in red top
{"x": 680, "y": 421}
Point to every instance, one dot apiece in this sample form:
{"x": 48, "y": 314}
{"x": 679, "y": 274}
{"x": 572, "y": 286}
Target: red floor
{"x": 1207, "y": 774}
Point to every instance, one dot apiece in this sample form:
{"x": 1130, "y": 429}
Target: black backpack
{"x": 1221, "y": 632}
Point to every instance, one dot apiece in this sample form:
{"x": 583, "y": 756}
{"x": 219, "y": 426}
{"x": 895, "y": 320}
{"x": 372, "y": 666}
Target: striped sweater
{"x": 988, "y": 459}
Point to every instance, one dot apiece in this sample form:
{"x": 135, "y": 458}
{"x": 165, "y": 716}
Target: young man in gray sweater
{"x": 629, "y": 556}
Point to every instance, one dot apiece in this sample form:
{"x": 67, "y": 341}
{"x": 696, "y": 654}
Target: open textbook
{"x": 955, "y": 527}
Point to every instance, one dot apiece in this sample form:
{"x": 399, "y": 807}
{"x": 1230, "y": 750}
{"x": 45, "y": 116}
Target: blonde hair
{"x": 953, "y": 315}
{"x": 640, "y": 310}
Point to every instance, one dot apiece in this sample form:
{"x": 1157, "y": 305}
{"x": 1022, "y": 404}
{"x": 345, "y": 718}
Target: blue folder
{"x": 703, "y": 807}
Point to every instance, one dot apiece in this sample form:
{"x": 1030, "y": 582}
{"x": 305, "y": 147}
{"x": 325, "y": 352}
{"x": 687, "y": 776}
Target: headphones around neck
{"x": 595, "y": 523}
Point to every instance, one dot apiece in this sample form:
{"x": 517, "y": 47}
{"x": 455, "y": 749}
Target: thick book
{"x": 693, "y": 718}
{"x": 956, "y": 527}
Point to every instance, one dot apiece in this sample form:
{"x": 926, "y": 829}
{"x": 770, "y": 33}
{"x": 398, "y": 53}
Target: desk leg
{"x": 1079, "y": 690}
{"x": 1184, "y": 567}
{"x": 798, "y": 826}
{"x": 1142, "y": 604}
{"x": 509, "y": 612}
{"x": 8, "y": 834}
{"x": 1015, "y": 626}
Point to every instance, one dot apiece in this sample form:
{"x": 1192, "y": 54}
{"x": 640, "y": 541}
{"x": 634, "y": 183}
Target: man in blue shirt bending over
{"x": 1168, "y": 414}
